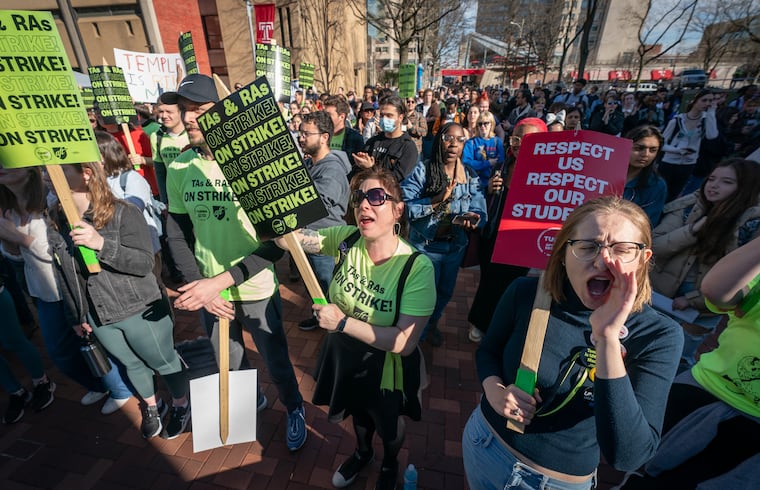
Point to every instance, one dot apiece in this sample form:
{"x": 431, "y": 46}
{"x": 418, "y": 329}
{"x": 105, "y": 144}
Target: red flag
{"x": 264, "y": 23}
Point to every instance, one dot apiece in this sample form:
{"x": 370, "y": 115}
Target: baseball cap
{"x": 198, "y": 88}
{"x": 168, "y": 98}
{"x": 368, "y": 106}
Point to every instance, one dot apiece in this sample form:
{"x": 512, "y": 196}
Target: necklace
{"x": 693, "y": 118}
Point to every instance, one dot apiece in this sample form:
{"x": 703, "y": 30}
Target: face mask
{"x": 387, "y": 125}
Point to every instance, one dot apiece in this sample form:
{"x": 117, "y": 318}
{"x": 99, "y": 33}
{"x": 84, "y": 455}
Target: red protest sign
{"x": 555, "y": 173}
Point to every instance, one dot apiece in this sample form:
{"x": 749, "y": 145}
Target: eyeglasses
{"x": 411, "y": 101}
{"x": 588, "y": 250}
{"x": 448, "y": 138}
{"x": 515, "y": 141}
{"x": 306, "y": 134}
{"x": 375, "y": 197}
{"x": 484, "y": 124}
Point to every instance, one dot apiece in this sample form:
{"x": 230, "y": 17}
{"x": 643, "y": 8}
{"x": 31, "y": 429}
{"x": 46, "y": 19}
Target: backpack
{"x": 154, "y": 207}
{"x": 349, "y": 242}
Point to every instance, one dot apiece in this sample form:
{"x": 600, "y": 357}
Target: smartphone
{"x": 460, "y": 219}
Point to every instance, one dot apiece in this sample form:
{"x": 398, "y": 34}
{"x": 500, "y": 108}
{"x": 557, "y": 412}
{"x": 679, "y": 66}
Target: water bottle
{"x": 94, "y": 356}
{"x": 410, "y": 478}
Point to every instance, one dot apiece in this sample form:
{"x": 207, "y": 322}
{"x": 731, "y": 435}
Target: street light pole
{"x": 249, "y": 11}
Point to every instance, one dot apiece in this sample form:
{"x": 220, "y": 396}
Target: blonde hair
{"x": 556, "y": 274}
{"x": 486, "y": 116}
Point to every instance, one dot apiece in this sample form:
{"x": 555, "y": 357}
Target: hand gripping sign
{"x": 555, "y": 173}
{"x": 43, "y": 120}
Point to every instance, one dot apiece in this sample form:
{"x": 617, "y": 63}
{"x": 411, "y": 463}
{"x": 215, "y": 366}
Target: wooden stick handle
{"x": 304, "y": 267}
{"x": 534, "y": 344}
{"x": 63, "y": 191}
{"x": 221, "y": 89}
{"x": 224, "y": 379}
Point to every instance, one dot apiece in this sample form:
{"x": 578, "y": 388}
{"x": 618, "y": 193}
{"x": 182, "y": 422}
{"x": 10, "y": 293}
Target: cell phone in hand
{"x": 461, "y": 219}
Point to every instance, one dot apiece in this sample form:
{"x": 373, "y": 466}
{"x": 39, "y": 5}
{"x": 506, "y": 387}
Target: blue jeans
{"x": 323, "y": 266}
{"x": 12, "y": 339}
{"x": 446, "y": 258}
{"x": 488, "y": 464}
{"x": 62, "y": 345}
{"x": 263, "y": 319}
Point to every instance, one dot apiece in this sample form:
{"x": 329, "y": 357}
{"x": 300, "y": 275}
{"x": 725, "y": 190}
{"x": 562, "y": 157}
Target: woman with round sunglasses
{"x": 605, "y": 367}
{"x": 380, "y": 300}
{"x": 484, "y": 151}
{"x": 444, "y": 202}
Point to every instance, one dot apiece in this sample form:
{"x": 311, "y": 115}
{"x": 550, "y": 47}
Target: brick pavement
{"x": 69, "y": 446}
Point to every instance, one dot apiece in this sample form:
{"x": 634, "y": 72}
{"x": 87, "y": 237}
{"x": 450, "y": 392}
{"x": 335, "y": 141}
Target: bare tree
{"x": 591, "y": 8}
{"x": 719, "y": 34}
{"x": 404, "y": 21}
{"x": 439, "y": 42}
{"x": 568, "y": 35}
{"x": 324, "y": 21}
{"x": 542, "y": 40}
{"x": 654, "y": 29}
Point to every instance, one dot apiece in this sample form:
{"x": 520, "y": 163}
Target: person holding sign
{"x": 122, "y": 304}
{"x": 695, "y": 232}
{"x": 228, "y": 255}
{"x": 605, "y": 367}
{"x": 380, "y": 301}
{"x": 393, "y": 149}
{"x": 444, "y": 203}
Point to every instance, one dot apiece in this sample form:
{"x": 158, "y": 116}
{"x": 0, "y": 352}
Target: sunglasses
{"x": 375, "y": 197}
{"x": 484, "y": 124}
{"x": 410, "y": 101}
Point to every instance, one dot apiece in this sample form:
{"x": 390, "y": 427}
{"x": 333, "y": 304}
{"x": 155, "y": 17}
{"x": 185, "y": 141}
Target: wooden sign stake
{"x": 304, "y": 267}
{"x": 224, "y": 379}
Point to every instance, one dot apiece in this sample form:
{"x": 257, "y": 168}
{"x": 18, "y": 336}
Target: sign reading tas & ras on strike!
{"x": 257, "y": 155}
{"x": 555, "y": 173}
{"x": 42, "y": 117}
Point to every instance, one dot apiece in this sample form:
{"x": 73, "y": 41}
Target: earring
{"x": 396, "y": 228}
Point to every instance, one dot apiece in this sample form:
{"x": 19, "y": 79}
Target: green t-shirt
{"x": 151, "y": 128}
{"x": 731, "y": 372}
{"x": 171, "y": 146}
{"x": 336, "y": 142}
{"x": 223, "y": 233}
{"x": 367, "y": 291}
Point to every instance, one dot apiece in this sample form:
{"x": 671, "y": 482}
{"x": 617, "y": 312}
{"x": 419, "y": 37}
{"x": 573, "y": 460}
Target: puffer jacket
{"x": 674, "y": 246}
{"x": 125, "y": 285}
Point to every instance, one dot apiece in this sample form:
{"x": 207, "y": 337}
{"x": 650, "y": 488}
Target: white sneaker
{"x": 113, "y": 404}
{"x": 92, "y": 397}
{"x": 475, "y": 335}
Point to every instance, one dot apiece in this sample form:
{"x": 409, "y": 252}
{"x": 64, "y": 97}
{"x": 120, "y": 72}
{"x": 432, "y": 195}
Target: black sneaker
{"x": 349, "y": 470}
{"x": 177, "y": 423}
{"x": 308, "y": 324}
{"x": 434, "y": 336}
{"x": 387, "y": 478}
{"x": 16, "y": 404}
{"x": 151, "y": 422}
{"x": 42, "y": 396}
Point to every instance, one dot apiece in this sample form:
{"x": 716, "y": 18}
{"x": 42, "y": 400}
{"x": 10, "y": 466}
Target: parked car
{"x": 691, "y": 78}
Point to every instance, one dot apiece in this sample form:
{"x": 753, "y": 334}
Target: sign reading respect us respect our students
{"x": 42, "y": 117}
{"x": 251, "y": 144}
{"x": 555, "y": 173}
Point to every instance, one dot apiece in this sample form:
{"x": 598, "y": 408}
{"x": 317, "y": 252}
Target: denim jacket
{"x": 125, "y": 285}
{"x": 424, "y": 218}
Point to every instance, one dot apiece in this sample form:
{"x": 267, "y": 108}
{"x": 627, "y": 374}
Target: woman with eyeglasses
{"x": 643, "y": 186}
{"x": 444, "y": 202}
{"x": 494, "y": 278}
{"x": 484, "y": 151}
{"x": 695, "y": 232}
{"x": 605, "y": 367}
{"x": 379, "y": 303}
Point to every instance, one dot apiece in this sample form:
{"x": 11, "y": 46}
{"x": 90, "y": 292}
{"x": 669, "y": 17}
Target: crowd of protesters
{"x": 415, "y": 188}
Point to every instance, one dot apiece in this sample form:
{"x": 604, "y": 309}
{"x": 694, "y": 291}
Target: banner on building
{"x": 112, "y": 94}
{"x": 273, "y": 62}
{"x": 555, "y": 173}
{"x": 306, "y": 75}
{"x": 43, "y": 119}
{"x": 407, "y": 75}
{"x": 187, "y": 52}
{"x": 264, "y": 23}
{"x": 148, "y": 75}
{"x": 253, "y": 147}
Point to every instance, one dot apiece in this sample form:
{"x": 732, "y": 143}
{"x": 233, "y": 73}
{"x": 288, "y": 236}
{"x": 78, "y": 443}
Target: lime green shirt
{"x": 336, "y": 142}
{"x": 731, "y": 372}
{"x": 223, "y": 233}
{"x": 171, "y": 146}
{"x": 367, "y": 291}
